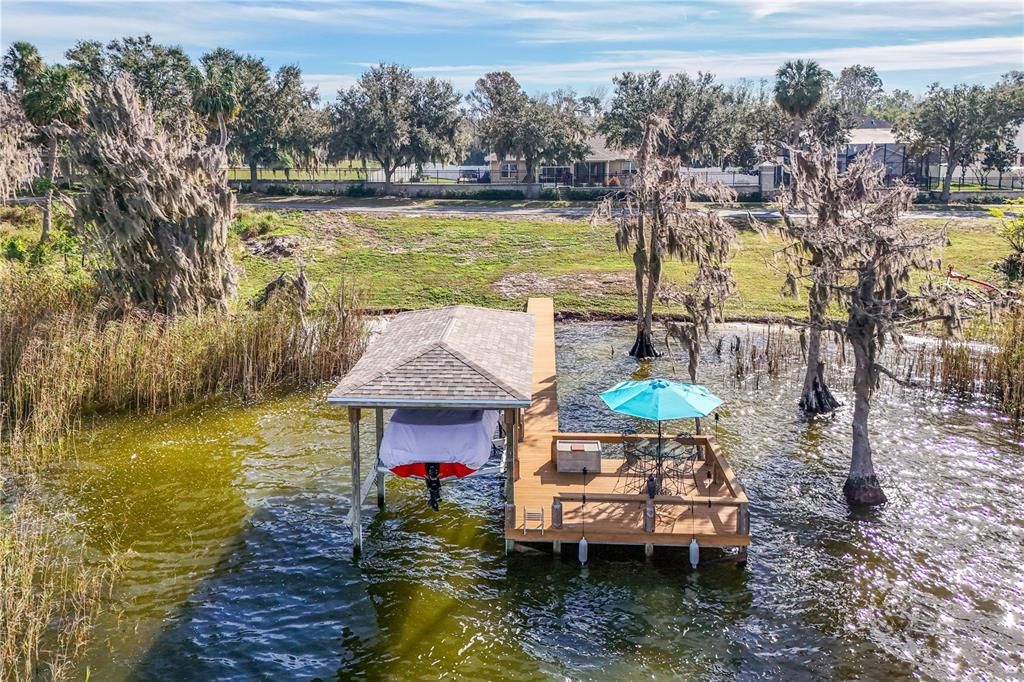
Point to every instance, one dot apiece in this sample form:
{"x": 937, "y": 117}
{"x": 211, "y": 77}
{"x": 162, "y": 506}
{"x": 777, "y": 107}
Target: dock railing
{"x": 722, "y": 475}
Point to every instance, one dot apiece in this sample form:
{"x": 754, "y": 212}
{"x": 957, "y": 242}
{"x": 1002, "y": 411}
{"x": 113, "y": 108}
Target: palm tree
{"x": 52, "y": 99}
{"x": 21, "y": 64}
{"x": 799, "y": 88}
{"x": 215, "y": 99}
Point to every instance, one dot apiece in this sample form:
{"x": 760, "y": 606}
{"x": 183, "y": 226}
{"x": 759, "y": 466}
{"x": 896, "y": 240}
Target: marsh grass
{"x": 63, "y": 355}
{"x": 995, "y": 369}
{"x": 51, "y": 593}
{"x": 62, "y": 358}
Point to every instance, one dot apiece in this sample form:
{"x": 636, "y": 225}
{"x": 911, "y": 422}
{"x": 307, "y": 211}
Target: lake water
{"x": 240, "y": 562}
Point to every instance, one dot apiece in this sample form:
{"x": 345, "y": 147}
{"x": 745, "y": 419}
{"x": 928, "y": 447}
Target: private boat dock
{"x": 558, "y": 487}
{"x": 712, "y": 507}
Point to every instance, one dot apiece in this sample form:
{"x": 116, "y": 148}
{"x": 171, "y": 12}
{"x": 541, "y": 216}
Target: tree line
{"x": 265, "y": 118}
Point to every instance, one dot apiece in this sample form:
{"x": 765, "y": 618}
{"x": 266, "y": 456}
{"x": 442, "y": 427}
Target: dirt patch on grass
{"x": 327, "y": 226}
{"x": 958, "y": 224}
{"x": 273, "y": 248}
{"x": 522, "y": 284}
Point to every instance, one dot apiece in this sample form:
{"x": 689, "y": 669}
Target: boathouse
{"x": 469, "y": 358}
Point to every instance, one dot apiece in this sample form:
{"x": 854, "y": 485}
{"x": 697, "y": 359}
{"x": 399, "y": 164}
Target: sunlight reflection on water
{"x": 242, "y": 569}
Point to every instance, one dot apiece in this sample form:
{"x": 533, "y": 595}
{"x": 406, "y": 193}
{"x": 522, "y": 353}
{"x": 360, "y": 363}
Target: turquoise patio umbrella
{"x": 660, "y": 399}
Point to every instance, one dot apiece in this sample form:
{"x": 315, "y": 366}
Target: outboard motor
{"x": 433, "y": 479}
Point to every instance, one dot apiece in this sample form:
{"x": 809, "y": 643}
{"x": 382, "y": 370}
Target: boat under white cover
{"x": 458, "y": 440}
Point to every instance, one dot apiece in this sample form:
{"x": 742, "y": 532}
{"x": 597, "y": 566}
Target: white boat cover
{"x": 444, "y": 436}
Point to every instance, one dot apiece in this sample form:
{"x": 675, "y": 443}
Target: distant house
{"x": 888, "y": 150}
{"x": 598, "y": 167}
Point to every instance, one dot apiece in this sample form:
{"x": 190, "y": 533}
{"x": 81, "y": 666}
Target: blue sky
{"x": 546, "y": 45}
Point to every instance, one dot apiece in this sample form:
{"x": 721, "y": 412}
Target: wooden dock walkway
{"x": 712, "y": 509}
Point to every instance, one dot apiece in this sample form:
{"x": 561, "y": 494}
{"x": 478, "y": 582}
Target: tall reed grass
{"x": 995, "y": 369}
{"x": 62, "y": 358}
{"x": 49, "y": 594}
{"x": 63, "y": 355}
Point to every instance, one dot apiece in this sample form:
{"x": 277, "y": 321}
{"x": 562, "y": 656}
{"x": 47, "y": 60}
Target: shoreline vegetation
{"x": 66, "y": 355}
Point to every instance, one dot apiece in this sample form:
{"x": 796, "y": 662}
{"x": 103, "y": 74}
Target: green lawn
{"x": 410, "y": 262}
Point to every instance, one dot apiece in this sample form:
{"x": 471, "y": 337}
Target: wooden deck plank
{"x": 610, "y": 522}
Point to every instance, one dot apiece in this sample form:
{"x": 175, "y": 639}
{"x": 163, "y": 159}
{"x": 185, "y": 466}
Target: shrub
{"x": 1012, "y": 230}
{"x": 584, "y": 194}
{"x": 21, "y": 217}
{"x": 479, "y": 195}
{"x": 281, "y": 190}
{"x": 16, "y": 250}
{"x": 252, "y": 224}
{"x": 492, "y": 194}
{"x": 40, "y": 254}
{"x": 989, "y": 199}
{"x": 360, "y": 190}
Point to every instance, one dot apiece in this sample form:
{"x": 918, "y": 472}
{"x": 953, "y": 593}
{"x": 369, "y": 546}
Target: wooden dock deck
{"x": 713, "y": 509}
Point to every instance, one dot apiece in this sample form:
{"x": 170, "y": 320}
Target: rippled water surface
{"x": 240, "y": 564}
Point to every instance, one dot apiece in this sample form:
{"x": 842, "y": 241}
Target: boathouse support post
{"x": 357, "y": 494}
{"x": 378, "y": 423}
{"x": 649, "y": 550}
{"x": 511, "y": 456}
{"x": 556, "y": 547}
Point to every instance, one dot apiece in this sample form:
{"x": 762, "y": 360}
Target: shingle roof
{"x": 872, "y": 136}
{"x": 599, "y": 151}
{"x": 458, "y": 355}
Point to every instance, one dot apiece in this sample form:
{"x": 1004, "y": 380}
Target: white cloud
{"x": 330, "y": 83}
{"x": 565, "y": 21}
{"x": 518, "y": 35}
{"x": 977, "y": 53}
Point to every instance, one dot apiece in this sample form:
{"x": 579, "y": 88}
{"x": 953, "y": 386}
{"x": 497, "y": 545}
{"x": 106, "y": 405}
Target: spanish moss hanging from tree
{"x": 157, "y": 204}
{"x": 654, "y": 218}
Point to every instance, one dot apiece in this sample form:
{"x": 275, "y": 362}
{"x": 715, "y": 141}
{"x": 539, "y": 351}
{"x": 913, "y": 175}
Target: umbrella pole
{"x": 659, "y": 454}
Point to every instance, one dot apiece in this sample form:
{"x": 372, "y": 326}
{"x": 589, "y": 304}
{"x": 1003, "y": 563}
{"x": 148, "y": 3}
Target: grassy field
{"x": 410, "y": 262}
{"x": 407, "y": 261}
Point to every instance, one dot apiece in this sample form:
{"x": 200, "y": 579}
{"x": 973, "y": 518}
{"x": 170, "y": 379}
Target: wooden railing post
{"x": 743, "y": 520}
{"x": 649, "y": 517}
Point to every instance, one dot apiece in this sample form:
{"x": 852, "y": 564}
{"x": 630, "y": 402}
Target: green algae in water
{"x": 241, "y": 563}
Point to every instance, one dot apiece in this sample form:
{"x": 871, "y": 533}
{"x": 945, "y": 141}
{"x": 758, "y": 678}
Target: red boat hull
{"x": 419, "y": 470}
